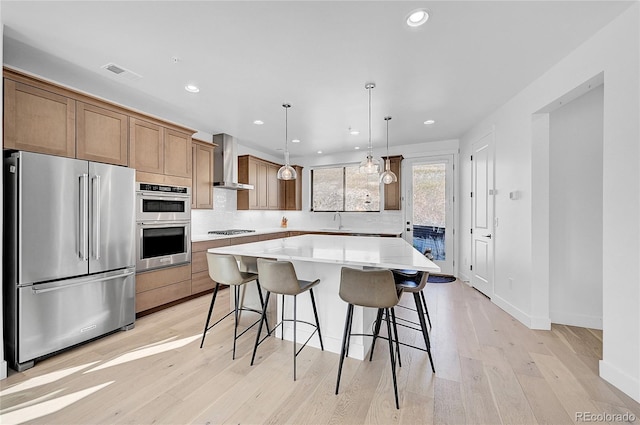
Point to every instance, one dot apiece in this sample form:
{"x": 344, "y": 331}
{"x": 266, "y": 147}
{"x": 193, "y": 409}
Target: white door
{"x": 482, "y": 215}
{"x": 429, "y": 207}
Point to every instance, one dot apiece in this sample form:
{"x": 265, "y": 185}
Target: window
{"x": 344, "y": 188}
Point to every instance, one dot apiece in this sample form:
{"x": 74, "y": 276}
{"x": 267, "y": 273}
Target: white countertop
{"x": 209, "y": 237}
{"x": 393, "y": 253}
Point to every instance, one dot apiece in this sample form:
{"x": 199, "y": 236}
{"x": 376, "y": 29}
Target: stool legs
{"x": 262, "y": 319}
{"x": 376, "y": 331}
{"x": 393, "y": 360}
{"x": 345, "y": 337}
{"x": 423, "y": 327}
{"x": 315, "y": 314}
{"x": 206, "y": 325}
{"x": 295, "y": 322}
{"x": 426, "y": 310}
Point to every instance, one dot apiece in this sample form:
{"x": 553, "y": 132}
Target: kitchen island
{"x": 322, "y": 257}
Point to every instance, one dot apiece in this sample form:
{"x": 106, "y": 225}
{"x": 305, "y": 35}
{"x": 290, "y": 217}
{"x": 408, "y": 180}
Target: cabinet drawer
{"x": 204, "y": 245}
{"x": 244, "y": 239}
{"x": 201, "y": 282}
{"x": 163, "y": 295}
{"x": 159, "y": 278}
{"x": 199, "y": 262}
{"x": 277, "y": 235}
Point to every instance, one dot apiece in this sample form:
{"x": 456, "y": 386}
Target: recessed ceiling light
{"x": 191, "y": 88}
{"x": 319, "y": 151}
{"x": 357, "y": 147}
{"x": 354, "y": 132}
{"x": 429, "y": 122}
{"x": 258, "y": 122}
{"x": 295, "y": 141}
{"x": 417, "y": 18}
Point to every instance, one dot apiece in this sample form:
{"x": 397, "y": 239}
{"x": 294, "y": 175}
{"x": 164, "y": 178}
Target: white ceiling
{"x": 250, "y": 57}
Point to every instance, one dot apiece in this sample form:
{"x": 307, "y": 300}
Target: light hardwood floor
{"x": 490, "y": 369}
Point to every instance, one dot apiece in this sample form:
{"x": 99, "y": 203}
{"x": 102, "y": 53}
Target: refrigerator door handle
{"x": 84, "y": 280}
{"x": 82, "y": 234}
{"x": 96, "y": 217}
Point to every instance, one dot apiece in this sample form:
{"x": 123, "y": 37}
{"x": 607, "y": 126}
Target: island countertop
{"x": 361, "y": 251}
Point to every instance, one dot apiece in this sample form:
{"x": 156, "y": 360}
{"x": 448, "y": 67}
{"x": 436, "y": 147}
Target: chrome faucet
{"x": 337, "y": 214}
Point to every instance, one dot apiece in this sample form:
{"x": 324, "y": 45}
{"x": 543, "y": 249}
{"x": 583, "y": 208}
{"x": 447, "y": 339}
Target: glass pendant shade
{"x": 388, "y": 176}
{"x": 286, "y": 172}
{"x": 370, "y": 165}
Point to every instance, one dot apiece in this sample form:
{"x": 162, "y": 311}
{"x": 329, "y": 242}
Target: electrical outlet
{"x": 510, "y": 283}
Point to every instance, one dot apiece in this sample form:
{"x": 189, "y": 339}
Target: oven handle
{"x": 155, "y": 196}
{"x": 172, "y": 223}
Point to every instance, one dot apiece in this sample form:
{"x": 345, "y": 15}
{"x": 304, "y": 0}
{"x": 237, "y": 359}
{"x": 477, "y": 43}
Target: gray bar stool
{"x": 223, "y": 269}
{"x": 369, "y": 288}
{"x": 412, "y": 283}
{"x": 279, "y": 277}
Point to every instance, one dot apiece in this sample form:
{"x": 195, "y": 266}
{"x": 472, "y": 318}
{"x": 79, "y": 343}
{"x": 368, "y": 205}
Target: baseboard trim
{"x": 583, "y": 321}
{"x": 463, "y": 277}
{"x": 3, "y": 369}
{"x": 621, "y": 380}
{"x": 542, "y": 323}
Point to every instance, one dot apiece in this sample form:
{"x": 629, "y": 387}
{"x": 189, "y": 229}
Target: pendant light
{"x": 370, "y": 165}
{"x": 388, "y": 176}
{"x": 286, "y": 172}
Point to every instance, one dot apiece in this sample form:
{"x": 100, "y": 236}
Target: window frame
{"x": 344, "y": 167}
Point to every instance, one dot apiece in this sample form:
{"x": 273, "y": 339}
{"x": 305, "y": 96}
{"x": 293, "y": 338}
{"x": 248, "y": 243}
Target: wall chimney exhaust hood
{"x": 225, "y": 164}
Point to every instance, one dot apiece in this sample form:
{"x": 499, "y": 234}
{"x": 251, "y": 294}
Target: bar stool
{"x": 368, "y": 288}
{"x": 279, "y": 277}
{"x": 414, "y": 284}
{"x": 223, "y": 269}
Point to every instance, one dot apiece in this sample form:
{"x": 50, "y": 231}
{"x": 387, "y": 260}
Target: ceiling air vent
{"x": 119, "y": 72}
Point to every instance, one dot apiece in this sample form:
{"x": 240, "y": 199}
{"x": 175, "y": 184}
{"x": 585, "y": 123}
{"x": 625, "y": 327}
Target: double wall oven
{"x": 163, "y": 216}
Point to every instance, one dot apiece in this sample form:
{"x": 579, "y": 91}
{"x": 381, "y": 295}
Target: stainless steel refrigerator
{"x": 69, "y": 253}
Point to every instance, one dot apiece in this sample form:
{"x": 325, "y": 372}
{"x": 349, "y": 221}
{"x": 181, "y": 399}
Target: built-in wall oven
{"x": 163, "y": 227}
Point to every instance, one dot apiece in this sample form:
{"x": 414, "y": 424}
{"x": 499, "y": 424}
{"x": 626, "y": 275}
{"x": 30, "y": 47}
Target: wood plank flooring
{"x": 490, "y": 369}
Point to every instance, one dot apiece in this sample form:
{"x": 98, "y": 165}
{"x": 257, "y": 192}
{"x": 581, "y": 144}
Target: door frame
{"x": 491, "y": 199}
{"x": 450, "y": 194}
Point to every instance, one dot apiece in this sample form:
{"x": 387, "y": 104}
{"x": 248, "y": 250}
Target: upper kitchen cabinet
{"x": 177, "y": 153}
{"x": 160, "y": 151}
{"x": 146, "y": 146}
{"x": 392, "y": 195}
{"x": 291, "y": 192}
{"x": 101, "y": 135}
{"x": 263, "y": 176}
{"x": 38, "y": 120}
{"x": 202, "y": 175}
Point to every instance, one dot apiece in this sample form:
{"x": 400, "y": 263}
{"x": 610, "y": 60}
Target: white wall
{"x": 225, "y": 215}
{"x": 523, "y": 224}
{"x": 575, "y": 211}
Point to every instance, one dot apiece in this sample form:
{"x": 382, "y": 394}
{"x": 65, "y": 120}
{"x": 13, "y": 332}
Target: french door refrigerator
{"x": 69, "y": 253}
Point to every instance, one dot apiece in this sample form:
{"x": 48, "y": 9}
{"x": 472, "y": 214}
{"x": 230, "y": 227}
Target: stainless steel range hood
{"x": 225, "y": 164}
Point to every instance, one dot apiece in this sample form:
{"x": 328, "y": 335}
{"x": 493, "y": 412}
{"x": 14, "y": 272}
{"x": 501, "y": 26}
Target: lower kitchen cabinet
{"x": 158, "y": 287}
{"x": 200, "y": 280}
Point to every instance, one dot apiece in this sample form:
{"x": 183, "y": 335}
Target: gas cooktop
{"x": 230, "y": 232}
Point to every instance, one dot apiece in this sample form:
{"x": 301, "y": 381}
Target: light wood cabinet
{"x": 38, "y": 120}
{"x": 392, "y": 194}
{"x": 156, "y": 149}
{"x": 158, "y": 287}
{"x": 101, "y": 134}
{"x": 177, "y": 153}
{"x": 146, "y": 146}
{"x": 202, "y": 175}
{"x": 291, "y": 192}
{"x": 263, "y": 176}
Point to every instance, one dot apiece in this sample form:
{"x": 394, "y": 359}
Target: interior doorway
{"x": 429, "y": 208}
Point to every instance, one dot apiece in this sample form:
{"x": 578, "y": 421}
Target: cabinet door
{"x": 146, "y": 146}
{"x": 392, "y": 191}
{"x": 102, "y": 135}
{"x": 38, "y": 121}
{"x": 291, "y": 192}
{"x": 261, "y": 185}
{"x": 272, "y": 187}
{"x": 202, "y": 176}
{"x": 177, "y": 153}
